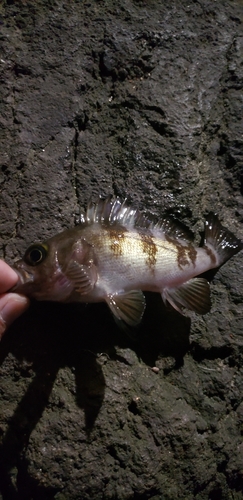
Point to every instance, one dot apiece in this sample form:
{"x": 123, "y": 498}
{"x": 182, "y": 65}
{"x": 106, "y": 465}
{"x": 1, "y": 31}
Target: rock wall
{"x": 142, "y": 99}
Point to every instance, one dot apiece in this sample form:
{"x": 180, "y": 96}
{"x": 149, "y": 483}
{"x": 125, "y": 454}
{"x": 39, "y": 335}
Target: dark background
{"x": 140, "y": 99}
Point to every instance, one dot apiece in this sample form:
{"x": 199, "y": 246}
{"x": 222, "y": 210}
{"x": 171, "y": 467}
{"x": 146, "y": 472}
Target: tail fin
{"x": 221, "y": 239}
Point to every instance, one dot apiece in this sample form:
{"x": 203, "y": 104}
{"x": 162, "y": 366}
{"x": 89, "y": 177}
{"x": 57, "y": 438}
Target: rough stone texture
{"x": 143, "y": 99}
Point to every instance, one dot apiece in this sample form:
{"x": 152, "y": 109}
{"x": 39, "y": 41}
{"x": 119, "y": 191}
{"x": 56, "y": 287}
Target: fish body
{"x": 115, "y": 253}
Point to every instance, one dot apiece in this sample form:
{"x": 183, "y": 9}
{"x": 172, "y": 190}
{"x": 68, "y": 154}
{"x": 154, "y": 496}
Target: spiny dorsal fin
{"x": 110, "y": 211}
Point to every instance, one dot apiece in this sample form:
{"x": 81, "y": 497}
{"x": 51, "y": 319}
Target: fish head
{"x": 44, "y": 271}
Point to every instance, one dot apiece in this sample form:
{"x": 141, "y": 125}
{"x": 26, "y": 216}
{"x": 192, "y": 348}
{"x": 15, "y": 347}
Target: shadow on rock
{"x": 51, "y": 336}
{"x": 165, "y": 332}
{"x": 44, "y": 340}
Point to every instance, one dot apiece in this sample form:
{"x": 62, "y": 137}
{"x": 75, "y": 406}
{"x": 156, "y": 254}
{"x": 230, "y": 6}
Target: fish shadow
{"x": 51, "y": 336}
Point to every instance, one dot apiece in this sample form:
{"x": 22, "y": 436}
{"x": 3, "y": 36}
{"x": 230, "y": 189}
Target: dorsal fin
{"x": 223, "y": 241}
{"x": 173, "y": 229}
{"x": 110, "y": 211}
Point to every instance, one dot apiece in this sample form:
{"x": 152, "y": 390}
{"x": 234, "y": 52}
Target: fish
{"x": 116, "y": 253}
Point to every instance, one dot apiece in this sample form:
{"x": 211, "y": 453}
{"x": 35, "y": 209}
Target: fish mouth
{"x": 25, "y": 281}
{"x": 58, "y": 289}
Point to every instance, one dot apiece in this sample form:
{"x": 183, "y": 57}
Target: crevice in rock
{"x": 199, "y": 353}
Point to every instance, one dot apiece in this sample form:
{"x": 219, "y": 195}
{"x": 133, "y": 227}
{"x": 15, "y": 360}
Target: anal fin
{"x": 193, "y": 295}
{"x": 127, "y": 307}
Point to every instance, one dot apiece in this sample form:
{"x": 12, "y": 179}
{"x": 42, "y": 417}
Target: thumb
{"x": 11, "y": 306}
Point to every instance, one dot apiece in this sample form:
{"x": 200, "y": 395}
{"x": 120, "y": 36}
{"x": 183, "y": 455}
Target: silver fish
{"x": 115, "y": 253}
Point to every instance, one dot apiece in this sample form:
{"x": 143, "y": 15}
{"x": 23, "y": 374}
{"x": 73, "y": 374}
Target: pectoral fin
{"x": 83, "y": 277}
{"x": 127, "y": 307}
{"x": 193, "y": 295}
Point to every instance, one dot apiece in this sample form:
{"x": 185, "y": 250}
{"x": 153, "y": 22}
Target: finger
{"x": 8, "y": 277}
{"x": 11, "y": 306}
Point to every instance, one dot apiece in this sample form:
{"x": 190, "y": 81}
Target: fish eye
{"x": 35, "y": 254}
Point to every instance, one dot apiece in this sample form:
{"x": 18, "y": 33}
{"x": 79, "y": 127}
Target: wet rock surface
{"x": 139, "y": 99}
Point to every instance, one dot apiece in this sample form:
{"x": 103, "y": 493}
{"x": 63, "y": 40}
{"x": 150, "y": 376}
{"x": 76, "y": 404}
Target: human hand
{"x": 11, "y": 304}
